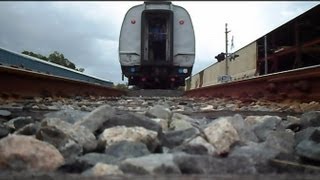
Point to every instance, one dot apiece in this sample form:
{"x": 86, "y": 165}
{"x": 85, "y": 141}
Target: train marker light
{"x": 185, "y": 70}
{"x": 133, "y": 21}
{"x": 181, "y": 22}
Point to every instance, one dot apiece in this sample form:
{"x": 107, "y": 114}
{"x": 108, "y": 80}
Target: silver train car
{"x": 157, "y": 45}
{"x": 10, "y": 58}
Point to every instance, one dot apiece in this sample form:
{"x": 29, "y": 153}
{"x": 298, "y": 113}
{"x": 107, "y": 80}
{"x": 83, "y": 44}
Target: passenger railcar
{"x": 157, "y": 45}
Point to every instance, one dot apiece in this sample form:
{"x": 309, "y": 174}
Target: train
{"x": 14, "y": 59}
{"x": 157, "y": 45}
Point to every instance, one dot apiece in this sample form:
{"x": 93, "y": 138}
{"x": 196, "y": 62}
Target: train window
{"x": 157, "y": 39}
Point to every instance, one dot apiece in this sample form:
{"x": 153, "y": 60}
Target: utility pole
{"x": 265, "y": 55}
{"x": 227, "y": 48}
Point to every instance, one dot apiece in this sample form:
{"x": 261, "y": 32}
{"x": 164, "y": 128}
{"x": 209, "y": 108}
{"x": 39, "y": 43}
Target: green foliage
{"x": 55, "y": 57}
{"x": 121, "y": 86}
{"x": 39, "y": 56}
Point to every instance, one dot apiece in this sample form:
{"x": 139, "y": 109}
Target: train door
{"x": 157, "y": 37}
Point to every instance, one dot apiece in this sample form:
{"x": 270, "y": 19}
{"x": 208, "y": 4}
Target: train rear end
{"x": 158, "y": 63}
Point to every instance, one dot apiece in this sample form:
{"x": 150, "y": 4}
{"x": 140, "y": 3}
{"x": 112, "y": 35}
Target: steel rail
{"x": 299, "y": 84}
{"x": 15, "y": 82}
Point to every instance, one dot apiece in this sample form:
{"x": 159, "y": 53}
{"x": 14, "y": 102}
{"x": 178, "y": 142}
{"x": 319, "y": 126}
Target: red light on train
{"x": 133, "y": 21}
{"x": 181, "y": 22}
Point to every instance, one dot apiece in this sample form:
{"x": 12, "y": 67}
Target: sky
{"x": 87, "y": 33}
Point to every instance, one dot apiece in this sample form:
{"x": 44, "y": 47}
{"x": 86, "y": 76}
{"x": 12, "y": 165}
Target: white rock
{"x": 123, "y": 133}
{"x": 253, "y": 120}
{"x": 101, "y": 169}
{"x": 221, "y": 134}
{"x": 207, "y": 108}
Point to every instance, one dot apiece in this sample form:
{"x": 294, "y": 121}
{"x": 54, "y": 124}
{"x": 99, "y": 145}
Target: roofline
{"x": 52, "y": 64}
{"x": 157, "y": 2}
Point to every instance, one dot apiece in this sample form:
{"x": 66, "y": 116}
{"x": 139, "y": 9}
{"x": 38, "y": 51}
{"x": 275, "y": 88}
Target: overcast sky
{"x": 87, "y": 33}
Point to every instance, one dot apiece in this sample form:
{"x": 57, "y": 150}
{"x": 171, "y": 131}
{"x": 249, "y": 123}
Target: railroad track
{"x": 299, "y": 84}
{"x": 54, "y": 110}
{"x": 21, "y": 83}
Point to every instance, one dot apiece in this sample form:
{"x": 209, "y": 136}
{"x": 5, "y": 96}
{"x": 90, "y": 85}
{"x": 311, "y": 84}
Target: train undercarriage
{"x": 157, "y": 77}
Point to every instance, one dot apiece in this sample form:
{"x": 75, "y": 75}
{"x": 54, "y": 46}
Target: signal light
{"x": 220, "y": 57}
{"x": 172, "y": 79}
{"x": 143, "y": 79}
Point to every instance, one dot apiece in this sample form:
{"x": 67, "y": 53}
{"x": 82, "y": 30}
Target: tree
{"x": 121, "y": 86}
{"x": 39, "y": 56}
{"x": 55, "y": 57}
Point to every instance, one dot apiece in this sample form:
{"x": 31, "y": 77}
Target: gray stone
{"x": 82, "y": 163}
{"x": 57, "y": 123}
{"x": 304, "y": 134}
{"x": 205, "y": 164}
{"x": 190, "y": 149}
{"x": 162, "y": 122}
{"x": 79, "y": 134}
{"x": 19, "y": 122}
{"x": 28, "y": 130}
{"x": 282, "y": 141}
{"x": 128, "y": 119}
{"x": 4, "y": 131}
{"x": 310, "y": 119}
{"x": 101, "y": 169}
{"x": 154, "y": 164}
{"x": 200, "y": 141}
{"x": 292, "y": 123}
{"x": 95, "y": 119}
{"x": 243, "y": 129}
{"x": 19, "y": 152}
{"x": 180, "y": 122}
{"x": 309, "y": 147}
{"x": 176, "y": 138}
{"x": 67, "y": 147}
{"x": 69, "y": 115}
{"x": 258, "y": 154}
{"x": 269, "y": 124}
{"x": 84, "y": 137}
{"x": 159, "y": 111}
{"x": 127, "y": 149}
{"x": 4, "y": 113}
